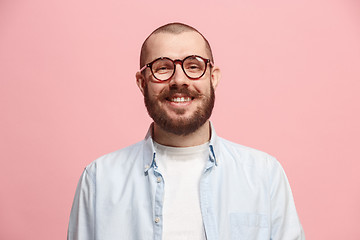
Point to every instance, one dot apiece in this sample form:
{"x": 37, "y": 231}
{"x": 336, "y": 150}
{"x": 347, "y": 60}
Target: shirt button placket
{"x": 159, "y": 196}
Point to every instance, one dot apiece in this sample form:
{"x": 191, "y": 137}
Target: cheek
{"x": 202, "y": 87}
{"x": 155, "y": 89}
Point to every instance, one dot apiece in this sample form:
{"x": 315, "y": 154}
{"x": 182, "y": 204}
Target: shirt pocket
{"x": 249, "y": 226}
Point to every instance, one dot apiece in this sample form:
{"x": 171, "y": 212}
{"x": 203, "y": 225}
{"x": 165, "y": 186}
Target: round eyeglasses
{"x": 163, "y": 68}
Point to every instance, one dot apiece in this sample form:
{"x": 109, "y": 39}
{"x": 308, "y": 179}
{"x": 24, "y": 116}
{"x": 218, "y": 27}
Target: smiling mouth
{"x": 180, "y": 99}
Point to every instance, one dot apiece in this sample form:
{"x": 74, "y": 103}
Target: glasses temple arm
{"x": 143, "y": 68}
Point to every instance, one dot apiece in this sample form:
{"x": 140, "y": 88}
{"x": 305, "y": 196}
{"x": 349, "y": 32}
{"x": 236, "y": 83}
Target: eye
{"x": 162, "y": 67}
{"x": 193, "y": 66}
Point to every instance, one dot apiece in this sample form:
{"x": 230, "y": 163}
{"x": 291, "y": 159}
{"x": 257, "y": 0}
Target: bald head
{"x": 172, "y": 28}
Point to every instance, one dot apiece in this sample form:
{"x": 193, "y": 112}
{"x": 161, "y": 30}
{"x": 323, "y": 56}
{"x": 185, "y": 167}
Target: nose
{"x": 179, "y": 78}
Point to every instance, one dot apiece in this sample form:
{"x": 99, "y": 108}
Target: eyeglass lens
{"x": 194, "y": 67}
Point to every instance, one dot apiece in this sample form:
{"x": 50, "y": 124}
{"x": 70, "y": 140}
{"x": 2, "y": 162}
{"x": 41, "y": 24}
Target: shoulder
{"x": 117, "y": 160}
{"x": 247, "y": 156}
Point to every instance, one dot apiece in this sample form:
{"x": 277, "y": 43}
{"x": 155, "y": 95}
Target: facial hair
{"x": 181, "y": 126}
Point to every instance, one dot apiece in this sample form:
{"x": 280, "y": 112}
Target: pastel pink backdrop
{"x": 290, "y": 86}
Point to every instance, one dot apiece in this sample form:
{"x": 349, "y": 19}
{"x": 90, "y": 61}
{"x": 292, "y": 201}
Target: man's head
{"x": 172, "y": 28}
{"x": 179, "y": 105}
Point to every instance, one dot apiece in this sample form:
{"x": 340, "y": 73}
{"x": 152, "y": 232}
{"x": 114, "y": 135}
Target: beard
{"x": 181, "y": 126}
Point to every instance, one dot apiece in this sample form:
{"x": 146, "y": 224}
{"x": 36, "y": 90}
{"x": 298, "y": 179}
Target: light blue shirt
{"x": 244, "y": 194}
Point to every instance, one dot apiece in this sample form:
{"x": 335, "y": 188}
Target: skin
{"x": 178, "y": 46}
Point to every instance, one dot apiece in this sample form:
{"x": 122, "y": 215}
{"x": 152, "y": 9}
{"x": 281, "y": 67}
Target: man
{"x": 182, "y": 181}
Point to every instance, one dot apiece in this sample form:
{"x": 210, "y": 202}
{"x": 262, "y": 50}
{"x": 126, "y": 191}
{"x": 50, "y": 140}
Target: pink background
{"x": 290, "y": 87}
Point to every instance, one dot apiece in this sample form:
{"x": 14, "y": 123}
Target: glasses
{"x": 163, "y": 68}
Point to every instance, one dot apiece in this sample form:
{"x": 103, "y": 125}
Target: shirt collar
{"x": 150, "y": 153}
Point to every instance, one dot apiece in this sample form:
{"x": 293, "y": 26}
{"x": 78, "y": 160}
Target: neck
{"x": 200, "y": 136}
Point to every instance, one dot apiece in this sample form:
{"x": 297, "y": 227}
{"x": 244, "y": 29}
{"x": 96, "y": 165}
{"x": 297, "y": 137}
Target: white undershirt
{"x": 181, "y": 169}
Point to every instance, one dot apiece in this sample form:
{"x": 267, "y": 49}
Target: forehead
{"x": 175, "y": 46}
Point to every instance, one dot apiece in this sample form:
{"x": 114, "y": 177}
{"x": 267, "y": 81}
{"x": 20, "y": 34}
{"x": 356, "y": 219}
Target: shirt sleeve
{"x": 82, "y": 216}
{"x": 284, "y": 219}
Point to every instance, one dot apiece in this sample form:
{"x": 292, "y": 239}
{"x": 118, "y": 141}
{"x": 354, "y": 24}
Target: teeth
{"x": 181, "y": 99}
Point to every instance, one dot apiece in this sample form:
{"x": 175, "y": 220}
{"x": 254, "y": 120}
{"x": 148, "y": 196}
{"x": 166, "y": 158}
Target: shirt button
{"x": 157, "y": 220}
{"x": 158, "y": 179}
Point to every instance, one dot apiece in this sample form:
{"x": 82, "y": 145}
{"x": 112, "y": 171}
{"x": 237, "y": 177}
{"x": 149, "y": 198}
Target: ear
{"x": 215, "y": 76}
{"x": 140, "y": 81}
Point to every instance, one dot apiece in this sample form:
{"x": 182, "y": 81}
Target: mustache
{"x": 167, "y": 93}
